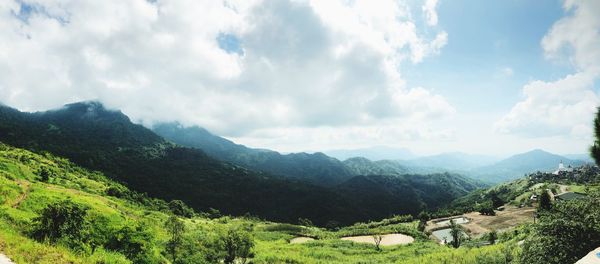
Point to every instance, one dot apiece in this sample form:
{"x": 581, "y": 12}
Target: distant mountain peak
{"x": 538, "y": 151}
{"x": 91, "y": 110}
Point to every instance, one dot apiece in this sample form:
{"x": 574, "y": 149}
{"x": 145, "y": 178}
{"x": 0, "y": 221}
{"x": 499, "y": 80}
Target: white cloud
{"x": 564, "y": 107}
{"x": 304, "y": 63}
{"x": 576, "y": 36}
{"x": 430, "y": 12}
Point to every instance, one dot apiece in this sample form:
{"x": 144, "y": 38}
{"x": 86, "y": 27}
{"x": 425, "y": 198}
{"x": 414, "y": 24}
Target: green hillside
{"x": 106, "y": 140}
{"x": 133, "y": 228}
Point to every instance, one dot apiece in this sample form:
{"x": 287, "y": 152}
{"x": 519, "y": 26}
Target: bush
{"x": 179, "y": 208}
{"x": 237, "y": 243}
{"x": 136, "y": 242}
{"x": 61, "y": 220}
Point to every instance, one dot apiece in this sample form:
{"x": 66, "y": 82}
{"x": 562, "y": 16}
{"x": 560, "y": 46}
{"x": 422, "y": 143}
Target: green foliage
{"x": 179, "y": 208}
{"x": 486, "y": 208}
{"x": 63, "y": 219}
{"x": 544, "y": 201}
{"x": 564, "y": 233}
{"x": 492, "y": 237}
{"x": 595, "y": 148}
{"x": 135, "y": 241}
{"x": 457, "y": 233}
{"x": 424, "y": 216}
{"x": 237, "y": 243}
{"x": 176, "y": 229}
{"x": 44, "y": 174}
{"x": 305, "y": 222}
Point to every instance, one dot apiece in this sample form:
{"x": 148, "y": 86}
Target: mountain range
{"x": 316, "y": 168}
{"x": 96, "y": 138}
{"x": 321, "y": 169}
{"x": 372, "y": 153}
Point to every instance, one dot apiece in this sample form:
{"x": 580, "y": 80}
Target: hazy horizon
{"x": 430, "y": 76}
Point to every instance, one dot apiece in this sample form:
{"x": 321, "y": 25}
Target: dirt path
{"x": 25, "y": 185}
{"x": 5, "y": 260}
{"x": 387, "y": 240}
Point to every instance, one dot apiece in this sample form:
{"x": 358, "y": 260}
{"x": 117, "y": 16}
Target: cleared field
{"x": 300, "y": 240}
{"x": 387, "y": 240}
{"x": 511, "y": 216}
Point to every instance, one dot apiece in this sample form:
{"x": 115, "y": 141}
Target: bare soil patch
{"x": 511, "y": 216}
{"x": 387, "y": 240}
{"x": 300, "y": 240}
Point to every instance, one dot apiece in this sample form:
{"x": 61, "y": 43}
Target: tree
{"x": 421, "y": 226}
{"x": 97, "y": 232}
{"x": 64, "y": 219}
{"x": 332, "y": 225}
{"x": 135, "y": 241}
{"x": 176, "y": 228}
{"x": 305, "y": 222}
{"x": 486, "y": 208}
{"x": 423, "y": 216}
{"x": 237, "y": 243}
{"x": 492, "y": 236}
{"x": 456, "y": 231}
{"x": 595, "y": 148}
{"x": 44, "y": 174}
{"x": 545, "y": 203}
{"x": 496, "y": 201}
{"x": 179, "y": 208}
{"x": 377, "y": 239}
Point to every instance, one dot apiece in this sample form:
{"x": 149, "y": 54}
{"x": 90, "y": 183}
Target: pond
{"x": 444, "y": 234}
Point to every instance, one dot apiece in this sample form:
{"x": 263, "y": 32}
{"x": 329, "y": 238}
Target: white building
{"x": 561, "y": 167}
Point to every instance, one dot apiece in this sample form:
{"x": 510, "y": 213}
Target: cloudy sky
{"x": 433, "y": 76}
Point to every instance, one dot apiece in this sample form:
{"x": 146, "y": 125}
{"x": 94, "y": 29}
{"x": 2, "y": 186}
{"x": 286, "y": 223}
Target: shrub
{"x": 59, "y": 220}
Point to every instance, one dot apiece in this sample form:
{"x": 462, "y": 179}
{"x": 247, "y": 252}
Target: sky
{"x": 432, "y": 76}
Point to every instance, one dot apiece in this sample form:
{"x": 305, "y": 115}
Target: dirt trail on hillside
{"x": 25, "y": 185}
{"x": 5, "y": 260}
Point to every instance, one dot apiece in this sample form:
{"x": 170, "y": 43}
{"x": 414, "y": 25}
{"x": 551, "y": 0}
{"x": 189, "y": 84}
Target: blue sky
{"x": 491, "y": 77}
{"x": 485, "y": 38}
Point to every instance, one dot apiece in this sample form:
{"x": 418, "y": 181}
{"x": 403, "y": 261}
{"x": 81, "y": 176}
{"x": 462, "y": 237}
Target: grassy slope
{"x": 22, "y": 197}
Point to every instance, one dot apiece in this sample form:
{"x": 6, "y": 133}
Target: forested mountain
{"x": 401, "y": 192}
{"x": 518, "y": 165}
{"x": 97, "y": 138}
{"x": 316, "y": 168}
{"x": 105, "y": 140}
